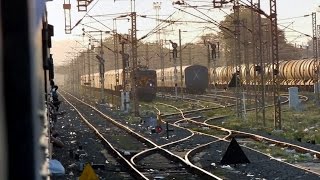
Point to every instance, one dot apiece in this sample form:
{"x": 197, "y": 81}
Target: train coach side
{"x": 146, "y": 83}
{"x": 291, "y": 73}
{"x": 195, "y": 78}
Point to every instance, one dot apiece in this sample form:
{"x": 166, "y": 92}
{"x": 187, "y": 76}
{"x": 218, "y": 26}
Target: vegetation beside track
{"x": 301, "y": 124}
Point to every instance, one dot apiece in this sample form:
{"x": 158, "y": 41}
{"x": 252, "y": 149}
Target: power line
{"x": 84, "y": 15}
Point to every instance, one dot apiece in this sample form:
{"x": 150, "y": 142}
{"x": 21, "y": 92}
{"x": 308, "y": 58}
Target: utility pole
{"x": 116, "y": 51}
{"x": 253, "y": 47}
{"x": 89, "y": 69}
{"x": 216, "y": 57}
{"x": 78, "y": 78}
{"x": 175, "y": 78}
{"x": 212, "y": 57}
{"x": 239, "y": 104}
{"x": 259, "y": 67}
{"x": 125, "y": 76}
{"x": 101, "y": 61}
{"x": 157, "y": 7}
{"x": 275, "y": 64}
{"x": 181, "y": 73}
{"x": 246, "y": 61}
{"x": 208, "y": 65}
{"x": 102, "y": 68}
{"x": 83, "y": 73}
{"x": 134, "y": 62}
{"x": 72, "y": 71}
{"x": 315, "y": 56}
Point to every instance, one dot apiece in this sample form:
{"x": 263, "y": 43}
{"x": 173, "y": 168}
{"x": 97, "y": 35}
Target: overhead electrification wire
{"x": 212, "y": 22}
{"x": 215, "y": 22}
{"x": 229, "y": 31}
{"x": 170, "y": 21}
{"x": 91, "y": 37}
{"x": 99, "y": 22}
{"x": 85, "y": 15}
{"x": 307, "y": 15}
{"x": 114, "y": 14}
{"x": 295, "y": 30}
{"x": 155, "y": 28}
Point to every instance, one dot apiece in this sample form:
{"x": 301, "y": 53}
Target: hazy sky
{"x": 289, "y": 12}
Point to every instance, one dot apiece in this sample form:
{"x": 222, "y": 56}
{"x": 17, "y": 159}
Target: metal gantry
{"x": 67, "y": 16}
{"x": 275, "y": 65}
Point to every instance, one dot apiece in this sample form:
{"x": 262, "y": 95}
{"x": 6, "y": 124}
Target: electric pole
{"x": 239, "y": 104}
{"x": 116, "y": 55}
{"x": 102, "y": 69}
{"x": 246, "y": 62}
{"x": 275, "y": 64}
{"x": 315, "y": 56}
{"x": 89, "y": 69}
{"x": 134, "y": 62}
{"x": 175, "y": 78}
{"x": 157, "y": 7}
{"x": 181, "y": 73}
{"x": 259, "y": 67}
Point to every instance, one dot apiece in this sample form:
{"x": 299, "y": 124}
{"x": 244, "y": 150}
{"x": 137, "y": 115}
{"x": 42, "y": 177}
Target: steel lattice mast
{"x": 315, "y": 55}
{"x": 259, "y": 69}
{"x": 239, "y": 104}
{"x": 134, "y": 62}
{"x": 275, "y": 64}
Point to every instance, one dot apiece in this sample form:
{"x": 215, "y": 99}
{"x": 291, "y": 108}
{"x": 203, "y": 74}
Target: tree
{"x": 227, "y": 29}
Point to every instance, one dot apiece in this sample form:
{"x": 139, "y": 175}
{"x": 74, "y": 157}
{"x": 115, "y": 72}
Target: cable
{"x": 99, "y": 22}
{"x": 212, "y": 22}
{"x": 84, "y": 15}
{"x": 91, "y": 37}
{"x": 307, "y": 15}
{"x": 152, "y": 31}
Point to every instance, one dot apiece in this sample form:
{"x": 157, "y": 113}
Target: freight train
{"x": 150, "y": 81}
{"x": 299, "y": 73}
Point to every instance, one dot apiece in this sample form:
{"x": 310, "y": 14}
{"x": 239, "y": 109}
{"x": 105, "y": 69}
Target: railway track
{"x": 107, "y": 133}
{"x": 191, "y": 141}
{"x": 208, "y": 148}
{"x": 146, "y": 155}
